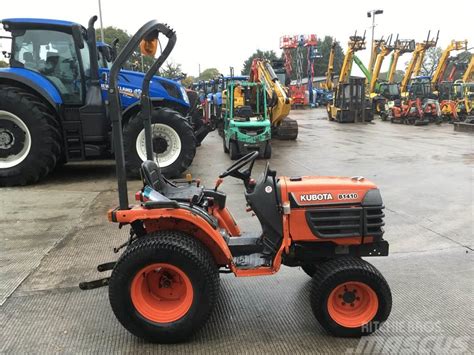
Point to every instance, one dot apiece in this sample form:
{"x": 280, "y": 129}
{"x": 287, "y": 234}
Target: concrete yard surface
{"x": 55, "y": 233}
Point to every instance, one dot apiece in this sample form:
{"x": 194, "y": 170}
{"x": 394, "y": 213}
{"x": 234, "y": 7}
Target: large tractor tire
{"x": 30, "y": 138}
{"x": 350, "y": 297}
{"x": 287, "y": 130}
{"x": 164, "y": 287}
{"x": 173, "y": 142}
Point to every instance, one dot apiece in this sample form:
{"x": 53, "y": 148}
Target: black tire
{"x": 267, "y": 153}
{"x": 310, "y": 269}
{"x": 176, "y": 122}
{"x": 233, "y": 150}
{"x": 183, "y": 252}
{"x": 220, "y": 128}
{"x": 226, "y": 150}
{"x": 46, "y": 139}
{"x": 338, "y": 271}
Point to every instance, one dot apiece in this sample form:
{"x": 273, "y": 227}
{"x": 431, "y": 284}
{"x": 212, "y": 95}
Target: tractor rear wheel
{"x": 174, "y": 143}
{"x": 350, "y": 297}
{"x": 164, "y": 287}
{"x": 30, "y": 138}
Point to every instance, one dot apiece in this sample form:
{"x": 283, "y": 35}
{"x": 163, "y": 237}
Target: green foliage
{"x": 171, "y": 70}
{"x": 209, "y": 73}
{"x": 135, "y": 63}
{"x": 397, "y": 77}
{"x": 270, "y": 55}
{"x": 321, "y": 64}
{"x": 4, "y": 64}
{"x": 431, "y": 60}
{"x": 188, "y": 81}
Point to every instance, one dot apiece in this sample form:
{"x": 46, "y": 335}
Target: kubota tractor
{"x": 166, "y": 283}
{"x": 52, "y": 105}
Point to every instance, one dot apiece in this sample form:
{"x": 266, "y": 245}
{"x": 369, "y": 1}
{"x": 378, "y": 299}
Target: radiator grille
{"x": 346, "y": 222}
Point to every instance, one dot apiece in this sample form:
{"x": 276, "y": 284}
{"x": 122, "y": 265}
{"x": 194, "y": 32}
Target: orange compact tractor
{"x": 166, "y": 283}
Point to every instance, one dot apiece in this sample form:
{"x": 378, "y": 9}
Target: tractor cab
{"x": 390, "y": 91}
{"x": 56, "y": 50}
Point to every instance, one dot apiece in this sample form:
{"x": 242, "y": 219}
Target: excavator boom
{"x": 401, "y": 47}
{"x": 279, "y": 104}
{"x": 385, "y": 48}
{"x": 416, "y": 61}
{"x": 356, "y": 43}
{"x": 443, "y": 61}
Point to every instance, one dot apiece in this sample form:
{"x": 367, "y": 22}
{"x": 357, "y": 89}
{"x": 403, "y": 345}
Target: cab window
{"x": 53, "y": 55}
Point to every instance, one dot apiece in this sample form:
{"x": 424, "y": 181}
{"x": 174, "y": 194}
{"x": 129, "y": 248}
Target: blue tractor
{"x": 53, "y": 105}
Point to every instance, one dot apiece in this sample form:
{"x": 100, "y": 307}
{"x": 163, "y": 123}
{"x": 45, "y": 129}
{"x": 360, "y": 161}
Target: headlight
{"x": 184, "y": 94}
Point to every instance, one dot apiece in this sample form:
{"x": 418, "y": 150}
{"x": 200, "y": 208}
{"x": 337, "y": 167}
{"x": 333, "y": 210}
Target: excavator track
{"x": 287, "y": 130}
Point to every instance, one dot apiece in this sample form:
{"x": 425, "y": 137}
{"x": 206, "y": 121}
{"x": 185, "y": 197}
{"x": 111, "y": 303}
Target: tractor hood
{"x": 130, "y": 87}
{"x": 324, "y": 190}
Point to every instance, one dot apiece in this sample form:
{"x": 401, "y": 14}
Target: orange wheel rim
{"x": 161, "y": 293}
{"x": 353, "y": 304}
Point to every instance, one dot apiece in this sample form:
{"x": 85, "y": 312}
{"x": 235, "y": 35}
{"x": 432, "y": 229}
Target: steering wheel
{"x": 234, "y": 169}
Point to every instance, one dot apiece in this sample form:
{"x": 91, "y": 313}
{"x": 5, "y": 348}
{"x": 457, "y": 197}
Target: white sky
{"x": 212, "y": 34}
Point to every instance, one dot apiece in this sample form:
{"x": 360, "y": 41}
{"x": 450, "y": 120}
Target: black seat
{"x": 151, "y": 175}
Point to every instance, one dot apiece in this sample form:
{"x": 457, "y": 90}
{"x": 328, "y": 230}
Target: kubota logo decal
{"x": 316, "y": 197}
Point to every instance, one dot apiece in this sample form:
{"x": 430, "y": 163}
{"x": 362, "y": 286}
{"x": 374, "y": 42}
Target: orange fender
{"x": 178, "y": 219}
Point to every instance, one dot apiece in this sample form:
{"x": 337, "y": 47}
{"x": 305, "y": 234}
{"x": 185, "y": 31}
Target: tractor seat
{"x": 151, "y": 175}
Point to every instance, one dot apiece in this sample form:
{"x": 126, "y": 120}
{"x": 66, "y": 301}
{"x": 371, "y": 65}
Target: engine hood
{"x": 326, "y": 190}
{"x": 130, "y": 84}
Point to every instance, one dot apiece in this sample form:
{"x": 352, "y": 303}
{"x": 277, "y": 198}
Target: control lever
{"x": 218, "y": 183}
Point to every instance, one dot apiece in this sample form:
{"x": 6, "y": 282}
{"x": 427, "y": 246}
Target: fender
{"x": 181, "y": 219}
{"x": 156, "y": 102}
{"x": 34, "y": 81}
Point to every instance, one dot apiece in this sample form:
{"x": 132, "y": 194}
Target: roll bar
{"x": 148, "y": 31}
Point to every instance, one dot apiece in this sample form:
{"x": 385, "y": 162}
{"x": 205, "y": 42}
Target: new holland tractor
{"x": 165, "y": 284}
{"x": 53, "y": 106}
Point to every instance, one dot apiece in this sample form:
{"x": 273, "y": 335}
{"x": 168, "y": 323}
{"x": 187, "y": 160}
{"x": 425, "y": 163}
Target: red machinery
{"x": 298, "y": 44}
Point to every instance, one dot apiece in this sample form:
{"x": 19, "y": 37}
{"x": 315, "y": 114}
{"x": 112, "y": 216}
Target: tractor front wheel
{"x": 164, "y": 287}
{"x": 30, "y": 137}
{"x": 174, "y": 143}
{"x": 233, "y": 150}
{"x": 349, "y": 297}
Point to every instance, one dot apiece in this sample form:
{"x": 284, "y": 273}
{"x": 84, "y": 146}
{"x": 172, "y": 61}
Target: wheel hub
{"x": 352, "y": 304}
{"x": 166, "y": 144}
{"x": 14, "y": 140}
{"x": 161, "y": 292}
{"x": 160, "y": 145}
{"x": 6, "y": 139}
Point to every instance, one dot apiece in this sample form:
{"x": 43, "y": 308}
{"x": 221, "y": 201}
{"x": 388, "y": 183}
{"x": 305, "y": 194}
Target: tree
{"x": 431, "y": 60}
{"x": 188, "y": 81}
{"x": 171, "y": 70}
{"x": 4, "y": 64}
{"x": 397, "y": 76}
{"x": 270, "y": 55}
{"x": 111, "y": 33}
{"x": 209, "y": 73}
{"x": 324, "y": 48}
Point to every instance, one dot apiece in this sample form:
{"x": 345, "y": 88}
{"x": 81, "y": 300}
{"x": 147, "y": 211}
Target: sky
{"x": 212, "y": 34}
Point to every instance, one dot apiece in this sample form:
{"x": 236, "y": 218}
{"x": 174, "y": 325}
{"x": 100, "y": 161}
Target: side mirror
{"x": 77, "y": 36}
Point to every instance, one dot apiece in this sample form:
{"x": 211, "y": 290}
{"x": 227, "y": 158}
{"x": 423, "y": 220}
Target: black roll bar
{"x": 148, "y": 31}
